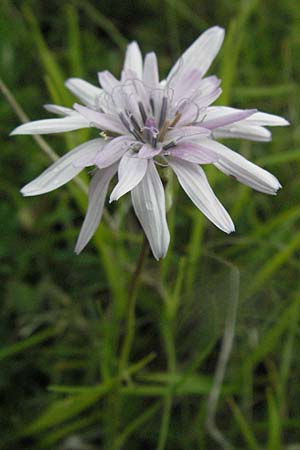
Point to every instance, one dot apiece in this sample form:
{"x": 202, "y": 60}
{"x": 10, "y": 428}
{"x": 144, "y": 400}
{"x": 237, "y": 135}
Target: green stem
{"x": 132, "y": 297}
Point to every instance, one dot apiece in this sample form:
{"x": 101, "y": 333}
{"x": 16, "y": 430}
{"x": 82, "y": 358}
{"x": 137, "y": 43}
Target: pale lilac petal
{"x": 89, "y": 94}
{"x": 130, "y": 172}
{"x": 60, "y": 110}
{"x": 194, "y": 182}
{"x": 107, "y": 81}
{"x": 207, "y": 98}
{"x": 47, "y": 126}
{"x": 103, "y": 121}
{"x": 191, "y": 112}
{"x": 265, "y": 119}
{"x": 188, "y": 85}
{"x": 148, "y": 199}
{"x": 151, "y": 75}
{"x": 200, "y": 54}
{"x": 147, "y": 151}
{"x": 189, "y": 132}
{"x": 208, "y": 84}
{"x": 97, "y": 193}
{"x": 252, "y": 125}
{"x": 243, "y": 130}
{"x": 216, "y": 117}
{"x": 113, "y": 151}
{"x": 89, "y": 155}
{"x": 231, "y": 163}
{"x": 62, "y": 171}
{"x": 192, "y": 152}
{"x": 133, "y": 59}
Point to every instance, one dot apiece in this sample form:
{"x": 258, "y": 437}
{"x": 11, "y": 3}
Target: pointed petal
{"x": 192, "y": 152}
{"x": 251, "y": 127}
{"x": 207, "y": 98}
{"x": 88, "y": 157}
{"x": 265, "y": 119}
{"x": 89, "y": 94}
{"x": 46, "y": 126}
{"x": 113, "y": 151}
{"x": 243, "y": 130}
{"x": 133, "y": 59}
{"x": 103, "y": 121}
{"x": 231, "y": 163}
{"x": 61, "y": 110}
{"x": 193, "y": 107}
{"x": 131, "y": 171}
{"x": 218, "y": 117}
{"x": 62, "y": 171}
{"x": 151, "y": 75}
{"x": 200, "y": 54}
{"x": 187, "y": 85}
{"x": 107, "y": 81}
{"x": 97, "y": 193}
{"x": 147, "y": 151}
{"x": 190, "y": 132}
{"x": 194, "y": 182}
{"x": 148, "y": 199}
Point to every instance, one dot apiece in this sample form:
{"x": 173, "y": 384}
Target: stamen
{"x": 154, "y": 140}
{"x": 142, "y": 111}
{"x": 163, "y": 130}
{"x": 152, "y": 105}
{"x": 136, "y": 135}
{"x": 103, "y": 134}
{"x": 169, "y": 145}
{"x": 135, "y": 123}
{"x": 163, "y": 112}
{"x": 176, "y": 119}
{"x": 124, "y": 121}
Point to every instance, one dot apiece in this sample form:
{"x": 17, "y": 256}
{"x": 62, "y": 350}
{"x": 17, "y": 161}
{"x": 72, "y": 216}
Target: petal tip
{"x": 77, "y": 251}
{"x": 79, "y": 247}
{"x": 15, "y": 131}
{"x": 285, "y": 122}
{"x": 26, "y": 192}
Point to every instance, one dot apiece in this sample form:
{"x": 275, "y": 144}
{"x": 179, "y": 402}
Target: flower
{"x": 147, "y": 125}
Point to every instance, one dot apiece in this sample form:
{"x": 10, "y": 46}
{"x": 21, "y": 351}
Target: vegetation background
{"x": 211, "y": 357}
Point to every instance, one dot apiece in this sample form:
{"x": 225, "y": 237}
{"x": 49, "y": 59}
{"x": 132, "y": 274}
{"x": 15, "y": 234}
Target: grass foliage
{"x": 210, "y": 358}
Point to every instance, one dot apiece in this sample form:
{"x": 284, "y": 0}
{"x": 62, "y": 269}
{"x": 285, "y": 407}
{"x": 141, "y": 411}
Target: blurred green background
{"x": 214, "y": 361}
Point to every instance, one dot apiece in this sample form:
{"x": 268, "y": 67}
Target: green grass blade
{"x": 27, "y": 343}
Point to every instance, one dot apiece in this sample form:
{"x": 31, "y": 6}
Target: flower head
{"x": 147, "y": 125}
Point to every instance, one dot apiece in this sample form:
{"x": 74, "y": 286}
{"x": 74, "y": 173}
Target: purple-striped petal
{"x": 151, "y": 75}
{"x": 216, "y": 117}
{"x": 148, "y": 199}
{"x": 243, "y": 130}
{"x": 113, "y": 151}
{"x": 188, "y": 85}
{"x": 97, "y": 193}
{"x": 48, "y": 126}
{"x": 89, "y": 94}
{"x": 189, "y": 151}
{"x": 62, "y": 171}
{"x": 107, "y": 81}
{"x": 103, "y": 121}
{"x": 130, "y": 172}
{"x": 194, "y": 182}
{"x": 147, "y": 151}
{"x": 133, "y": 59}
{"x": 231, "y": 163}
{"x": 265, "y": 119}
{"x": 60, "y": 110}
{"x": 190, "y": 132}
{"x": 200, "y": 54}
